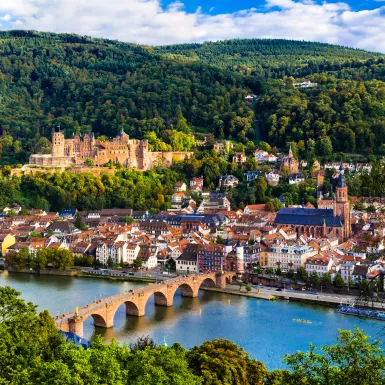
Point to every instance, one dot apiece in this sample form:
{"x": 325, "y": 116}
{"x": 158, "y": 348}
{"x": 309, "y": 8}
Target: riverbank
{"x": 289, "y": 295}
{"x": 266, "y": 296}
{"x": 80, "y": 274}
{"x": 113, "y": 278}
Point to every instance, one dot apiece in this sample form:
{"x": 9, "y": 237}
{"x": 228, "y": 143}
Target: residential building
{"x": 228, "y": 181}
{"x": 252, "y": 175}
{"x": 187, "y": 262}
{"x": 289, "y": 256}
{"x": 296, "y": 178}
{"x": 180, "y": 186}
{"x": 239, "y": 158}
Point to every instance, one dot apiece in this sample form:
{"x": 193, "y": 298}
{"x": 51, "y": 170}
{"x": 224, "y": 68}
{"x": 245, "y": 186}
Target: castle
{"x": 130, "y": 153}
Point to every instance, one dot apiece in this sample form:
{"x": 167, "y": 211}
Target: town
{"x": 335, "y": 242}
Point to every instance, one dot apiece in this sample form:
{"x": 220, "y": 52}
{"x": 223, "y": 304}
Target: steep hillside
{"x": 85, "y": 84}
{"x": 273, "y": 58}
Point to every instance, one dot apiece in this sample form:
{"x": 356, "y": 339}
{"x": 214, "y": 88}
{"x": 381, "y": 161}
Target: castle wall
{"x": 131, "y": 153}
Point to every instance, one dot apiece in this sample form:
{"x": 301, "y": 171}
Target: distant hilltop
{"x": 87, "y": 150}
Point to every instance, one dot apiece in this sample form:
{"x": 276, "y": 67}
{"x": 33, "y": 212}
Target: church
{"x": 321, "y": 222}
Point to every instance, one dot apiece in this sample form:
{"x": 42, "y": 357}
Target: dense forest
{"x": 33, "y": 352}
{"x": 276, "y": 58}
{"x": 337, "y": 116}
{"x": 84, "y": 84}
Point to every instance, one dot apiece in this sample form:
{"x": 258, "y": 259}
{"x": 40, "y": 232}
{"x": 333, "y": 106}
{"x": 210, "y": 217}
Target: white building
{"x": 305, "y": 84}
{"x": 318, "y": 263}
{"x": 187, "y": 262}
{"x": 289, "y": 257}
{"x": 264, "y": 156}
{"x": 228, "y": 181}
{"x": 117, "y": 251}
{"x": 132, "y": 252}
{"x": 296, "y": 178}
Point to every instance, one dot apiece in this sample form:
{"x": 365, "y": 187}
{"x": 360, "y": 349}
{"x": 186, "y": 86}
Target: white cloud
{"x": 146, "y": 22}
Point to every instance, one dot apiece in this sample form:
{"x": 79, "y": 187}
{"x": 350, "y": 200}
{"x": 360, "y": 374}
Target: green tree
{"x": 352, "y": 361}
{"x": 248, "y": 288}
{"x": 89, "y": 162}
{"x": 22, "y": 259}
{"x": 302, "y": 274}
{"x": 339, "y": 281}
{"x": 110, "y": 262}
{"x": 326, "y": 280}
{"x": 79, "y": 224}
{"x": 223, "y": 362}
{"x": 138, "y": 263}
{"x": 315, "y": 279}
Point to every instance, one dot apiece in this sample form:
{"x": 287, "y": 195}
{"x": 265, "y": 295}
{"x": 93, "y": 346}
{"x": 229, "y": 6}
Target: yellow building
{"x": 6, "y": 240}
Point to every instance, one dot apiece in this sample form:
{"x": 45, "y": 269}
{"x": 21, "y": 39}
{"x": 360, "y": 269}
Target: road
{"x": 156, "y": 274}
{"x": 328, "y": 298}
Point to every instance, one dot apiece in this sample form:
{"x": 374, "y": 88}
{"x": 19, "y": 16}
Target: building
{"x": 263, "y": 156}
{"x": 290, "y": 162}
{"x": 215, "y": 203}
{"x": 148, "y": 255}
{"x": 296, "y": 178}
{"x": 6, "y": 241}
{"x": 288, "y": 257}
{"x": 225, "y": 146}
{"x": 239, "y": 158}
{"x": 321, "y": 222}
{"x": 180, "y": 186}
{"x": 187, "y": 262}
{"x": 305, "y": 84}
{"x": 319, "y": 263}
{"x": 273, "y": 177}
{"x": 252, "y": 175}
{"x": 81, "y": 149}
{"x": 228, "y": 181}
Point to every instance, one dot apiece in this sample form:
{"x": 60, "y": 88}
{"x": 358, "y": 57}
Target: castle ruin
{"x": 131, "y": 153}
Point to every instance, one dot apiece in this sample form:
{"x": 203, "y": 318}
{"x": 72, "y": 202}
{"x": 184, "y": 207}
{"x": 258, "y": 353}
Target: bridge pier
{"x": 75, "y": 325}
{"x": 132, "y": 309}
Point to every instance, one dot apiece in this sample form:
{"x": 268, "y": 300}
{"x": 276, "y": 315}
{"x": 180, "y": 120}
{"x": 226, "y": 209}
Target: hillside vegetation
{"x": 274, "y": 58}
{"x": 85, "y": 85}
{"x": 82, "y": 84}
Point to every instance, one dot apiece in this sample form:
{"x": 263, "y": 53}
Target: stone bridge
{"x": 103, "y": 310}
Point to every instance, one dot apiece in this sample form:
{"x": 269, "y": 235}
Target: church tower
{"x": 57, "y": 144}
{"x": 342, "y": 204}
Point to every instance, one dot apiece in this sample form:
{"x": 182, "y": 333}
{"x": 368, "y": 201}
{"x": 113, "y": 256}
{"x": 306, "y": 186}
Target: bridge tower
{"x": 239, "y": 252}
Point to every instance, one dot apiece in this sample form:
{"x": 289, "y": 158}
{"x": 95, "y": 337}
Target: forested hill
{"x": 273, "y": 58}
{"x": 85, "y": 84}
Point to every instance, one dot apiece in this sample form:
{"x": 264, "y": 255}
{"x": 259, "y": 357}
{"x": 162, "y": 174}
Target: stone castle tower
{"x": 342, "y": 204}
{"x": 58, "y": 142}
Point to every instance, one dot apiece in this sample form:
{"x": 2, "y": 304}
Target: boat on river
{"x": 361, "y": 312}
{"x": 304, "y": 321}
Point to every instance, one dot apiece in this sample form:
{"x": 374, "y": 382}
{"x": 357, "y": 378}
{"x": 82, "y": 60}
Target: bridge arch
{"x": 187, "y": 290}
{"x": 99, "y": 320}
{"x": 209, "y": 282}
{"x": 132, "y": 308}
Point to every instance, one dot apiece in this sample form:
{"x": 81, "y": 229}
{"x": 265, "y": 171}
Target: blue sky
{"x": 215, "y": 7}
{"x": 353, "y": 23}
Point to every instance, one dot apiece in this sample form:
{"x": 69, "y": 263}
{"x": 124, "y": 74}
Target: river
{"x": 265, "y": 329}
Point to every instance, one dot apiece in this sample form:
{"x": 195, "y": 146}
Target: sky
{"x": 354, "y": 23}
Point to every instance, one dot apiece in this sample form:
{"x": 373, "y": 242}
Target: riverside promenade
{"x": 293, "y": 295}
